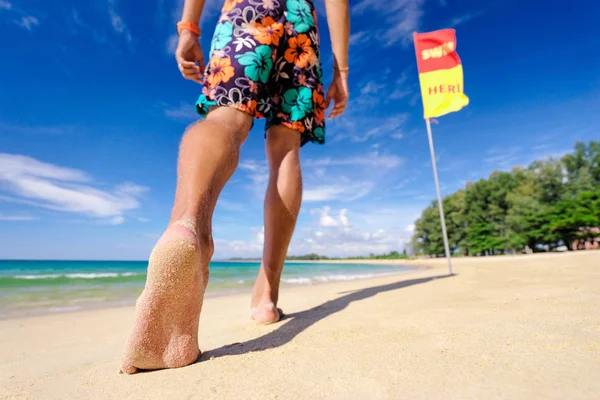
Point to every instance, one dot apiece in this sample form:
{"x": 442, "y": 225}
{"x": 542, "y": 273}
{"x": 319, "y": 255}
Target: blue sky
{"x": 92, "y": 108}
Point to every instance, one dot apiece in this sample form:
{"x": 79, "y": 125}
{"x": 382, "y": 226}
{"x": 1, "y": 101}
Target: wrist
{"x": 340, "y": 70}
{"x": 189, "y": 27}
{"x": 340, "y": 67}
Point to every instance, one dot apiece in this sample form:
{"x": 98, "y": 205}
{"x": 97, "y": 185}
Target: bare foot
{"x": 165, "y": 330}
{"x": 265, "y": 313}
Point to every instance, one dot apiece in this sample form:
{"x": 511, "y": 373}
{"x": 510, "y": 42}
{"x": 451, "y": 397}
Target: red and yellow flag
{"x": 440, "y": 73}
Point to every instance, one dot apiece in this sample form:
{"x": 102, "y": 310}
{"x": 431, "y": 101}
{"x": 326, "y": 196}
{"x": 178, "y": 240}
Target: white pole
{"x": 439, "y": 195}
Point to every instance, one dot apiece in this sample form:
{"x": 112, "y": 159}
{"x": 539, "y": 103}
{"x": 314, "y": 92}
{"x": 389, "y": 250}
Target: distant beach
{"x": 29, "y": 287}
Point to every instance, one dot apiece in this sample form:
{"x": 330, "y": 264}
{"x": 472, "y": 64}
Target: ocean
{"x": 45, "y": 287}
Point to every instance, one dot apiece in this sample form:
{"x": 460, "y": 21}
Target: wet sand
{"x": 523, "y": 327}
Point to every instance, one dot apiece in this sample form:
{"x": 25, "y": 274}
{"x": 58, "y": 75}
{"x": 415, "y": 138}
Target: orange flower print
{"x": 268, "y": 4}
{"x": 230, "y": 4}
{"x": 297, "y": 126}
{"x": 220, "y": 71}
{"x": 319, "y": 105}
{"x": 249, "y": 107}
{"x": 267, "y": 31}
{"x": 300, "y": 51}
{"x": 302, "y": 80}
{"x": 314, "y": 60}
{"x": 253, "y": 87}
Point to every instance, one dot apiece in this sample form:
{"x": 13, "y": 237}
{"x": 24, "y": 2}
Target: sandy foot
{"x": 265, "y": 313}
{"x": 165, "y": 329}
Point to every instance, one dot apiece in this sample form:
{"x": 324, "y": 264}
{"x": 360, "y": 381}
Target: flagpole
{"x": 439, "y": 195}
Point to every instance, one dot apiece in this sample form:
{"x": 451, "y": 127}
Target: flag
{"x": 440, "y": 73}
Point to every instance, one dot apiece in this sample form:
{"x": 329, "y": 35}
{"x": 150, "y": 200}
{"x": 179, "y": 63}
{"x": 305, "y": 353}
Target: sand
{"x": 502, "y": 328}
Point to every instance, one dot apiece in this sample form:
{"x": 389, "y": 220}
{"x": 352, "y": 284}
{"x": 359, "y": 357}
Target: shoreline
{"x": 79, "y": 305}
{"x": 415, "y": 265}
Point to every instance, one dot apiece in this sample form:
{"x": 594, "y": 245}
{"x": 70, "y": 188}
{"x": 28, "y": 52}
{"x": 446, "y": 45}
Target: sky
{"x": 92, "y": 109}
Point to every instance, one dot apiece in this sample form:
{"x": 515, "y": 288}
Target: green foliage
{"x": 550, "y": 203}
{"x": 393, "y": 255}
{"x": 311, "y": 256}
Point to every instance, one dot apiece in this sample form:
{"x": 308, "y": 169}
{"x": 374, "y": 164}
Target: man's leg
{"x": 165, "y": 330}
{"x": 282, "y": 204}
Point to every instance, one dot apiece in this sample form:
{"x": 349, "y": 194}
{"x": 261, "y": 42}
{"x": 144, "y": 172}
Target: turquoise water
{"x": 35, "y": 287}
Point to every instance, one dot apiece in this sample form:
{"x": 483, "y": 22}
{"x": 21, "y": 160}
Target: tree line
{"x": 551, "y": 203}
{"x": 392, "y": 255}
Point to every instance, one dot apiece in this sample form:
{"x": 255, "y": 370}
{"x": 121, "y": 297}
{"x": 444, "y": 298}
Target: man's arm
{"x": 338, "y": 20}
{"x": 189, "y": 53}
{"x": 192, "y": 11}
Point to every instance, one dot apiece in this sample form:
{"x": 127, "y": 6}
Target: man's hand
{"x": 189, "y": 57}
{"x": 338, "y": 92}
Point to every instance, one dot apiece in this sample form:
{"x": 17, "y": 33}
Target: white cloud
{"x": 327, "y": 179}
{"x": 502, "y": 157}
{"x": 464, "y": 18}
{"x": 260, "y": 235}
{"x": 14, "y": 165}
{"x": 184, "y": 113}
{"x": 331, "y": 233}
{"x": 540, "y": 147}
{"x": 28, "y": 22}
{"x": 39, "y": 130}
{"x": 24, "y": 20}
{"x": 118, "y": 220}
{"x": 230, "y": 206}
{"x": 79, "y": 22}
{"x": 237, "y": 248}
{"x": 372, "y": 87}
{"x": 403, "y": 17}
{"x": 4, "y": 217}
{"x": 172, "y": 43}
{"x": 328, "y": 221}
{"x": 336, "y": 236}
{"x": 359, "y": 37}
{"x": 355, "y": 127}
{"x": 41, "y": 184}
{"x": 257, "y": 173}
{"x": 410, "y": 228}
{"x": 117, "y": 22}
{"x": 372, "y": 159}
{"x": 348, "y": 191}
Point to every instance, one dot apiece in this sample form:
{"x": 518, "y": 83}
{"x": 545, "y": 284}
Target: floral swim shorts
{"x": 264, "y": 60}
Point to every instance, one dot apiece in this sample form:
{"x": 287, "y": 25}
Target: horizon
{"x": 89, "y": 146}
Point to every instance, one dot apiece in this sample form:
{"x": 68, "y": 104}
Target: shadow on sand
{"x": 294, "y": 324}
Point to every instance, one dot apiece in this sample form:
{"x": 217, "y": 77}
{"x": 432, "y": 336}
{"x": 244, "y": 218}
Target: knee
{"x": 234, "y": 124}
{"x": 282, "y": 142}
{"x": 227, "y": 129}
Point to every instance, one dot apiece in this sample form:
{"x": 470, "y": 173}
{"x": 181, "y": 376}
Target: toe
{"x": 128, "y": 369}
